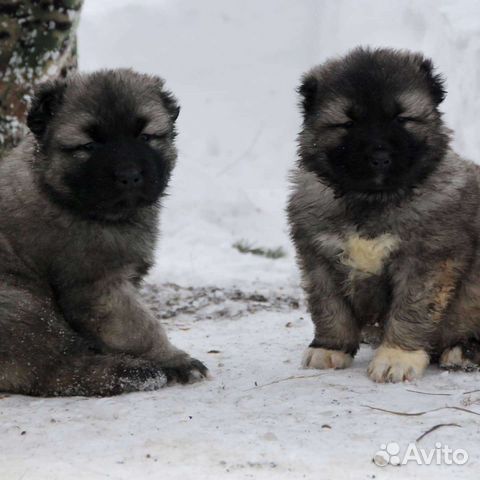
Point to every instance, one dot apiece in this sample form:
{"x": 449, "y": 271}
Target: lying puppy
{"x": 79, "y": 204}
{"x": 385, "y": 217}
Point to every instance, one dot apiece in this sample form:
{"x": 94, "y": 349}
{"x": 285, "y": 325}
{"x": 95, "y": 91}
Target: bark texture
{"x": 37, "y": 42}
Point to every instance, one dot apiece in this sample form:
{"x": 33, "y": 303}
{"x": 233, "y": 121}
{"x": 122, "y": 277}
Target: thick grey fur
{"x": 71, "y": 318}
{"x": 427, "y": 295}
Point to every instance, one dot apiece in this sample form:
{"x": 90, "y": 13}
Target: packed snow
{"x": 234, "y": 67}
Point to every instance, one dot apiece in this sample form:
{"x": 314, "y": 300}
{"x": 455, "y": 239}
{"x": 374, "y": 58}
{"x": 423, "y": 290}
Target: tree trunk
{"x": 37, "y": 42}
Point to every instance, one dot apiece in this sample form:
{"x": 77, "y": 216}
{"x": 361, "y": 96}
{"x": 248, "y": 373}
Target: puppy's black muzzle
{"x": 120, "y": 176}
{"x": 128, "y": 178}
{"x": 380, "y": 160}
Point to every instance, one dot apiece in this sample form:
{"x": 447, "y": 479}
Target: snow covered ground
{"x": 234, "y": 65}
{"x": 260, "y": 417}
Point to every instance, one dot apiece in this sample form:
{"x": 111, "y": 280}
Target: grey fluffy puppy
{"x": 385, "y": 217}
{"x": 79, "y": 204}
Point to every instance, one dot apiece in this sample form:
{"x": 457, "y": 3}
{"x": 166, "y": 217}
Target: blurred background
{"x": 234, "y": 66}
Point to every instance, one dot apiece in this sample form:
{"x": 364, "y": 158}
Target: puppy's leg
{"x": 464, "y": 356}
{"x": 420, "y": 299}
{"x": 87, "y": 374}
{"x": 105, "y": 375}
{"x": 41, "y": 355}
{"x": 113, "y": 316}
{"x": 336, "y": 332}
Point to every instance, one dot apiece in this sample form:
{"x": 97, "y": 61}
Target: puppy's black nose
{"x": 128, "y": 178}
{"x": 380, "y": 160}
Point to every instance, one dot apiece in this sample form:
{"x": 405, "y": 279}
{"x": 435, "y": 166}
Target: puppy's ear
{"x": 308, "y": 91}
{"x": 170, "y": 103}
{"x": 47, "y": 99}
{"x": 168, "y": 100}
{"x": 435, "y": 81}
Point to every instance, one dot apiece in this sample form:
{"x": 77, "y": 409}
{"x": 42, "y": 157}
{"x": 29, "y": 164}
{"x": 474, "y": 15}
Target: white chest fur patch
{"x": 367, "y": 255}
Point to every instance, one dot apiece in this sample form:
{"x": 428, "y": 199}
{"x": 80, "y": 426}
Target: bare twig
{"x": 442, "y": 394}
{"x": 471, "y": 391}
{"x": 293, "y": 377}
{"x": 436, "y": 427}
{"x": 428, "y": 393}
{"x": 417, "y": 414}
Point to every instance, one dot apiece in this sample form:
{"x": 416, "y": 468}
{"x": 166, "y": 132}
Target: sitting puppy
{"x": 79, "y": 203}
{"x": 385, "y": 218}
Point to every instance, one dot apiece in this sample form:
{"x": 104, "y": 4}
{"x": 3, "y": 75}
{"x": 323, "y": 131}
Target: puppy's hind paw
{"x": 392, "y": 364}
{"x": 454, "y": 359}
{"x": 188, "y": 371}
{"x": 322, "y": 358}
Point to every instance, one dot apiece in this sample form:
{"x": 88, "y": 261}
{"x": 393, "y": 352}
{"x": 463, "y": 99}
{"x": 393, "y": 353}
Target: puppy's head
{"x": 106, "y": 142}
{"x": 371, "y": 127}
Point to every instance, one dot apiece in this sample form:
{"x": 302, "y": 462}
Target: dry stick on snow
{"x": 293, "y": 377}
{"x": 443, "y": 394}
{"x": 417, "y": 414}
{"x": 428, "y": 393}
{"x": 436, "y": 427}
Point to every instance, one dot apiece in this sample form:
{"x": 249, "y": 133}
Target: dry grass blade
{"x": 244, "y": 247}
{"x": 436, "y": 427}
{"x": 417, "y": 414}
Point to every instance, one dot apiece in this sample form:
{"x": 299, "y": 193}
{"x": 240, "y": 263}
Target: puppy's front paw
{"x": 454, "y": 359}
{"x": 132, "y": 375}
{"x": 391, "y": 364}
{"x": 189, "y": 370}
{"x": 322, "y": 358}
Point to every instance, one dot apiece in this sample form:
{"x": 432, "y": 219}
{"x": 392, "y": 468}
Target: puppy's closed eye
{"x": 348, "y": 124}
{"x": 149, "y": 137}
{"x": 84, "y": 147}
{"x": 403, "y": 119}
